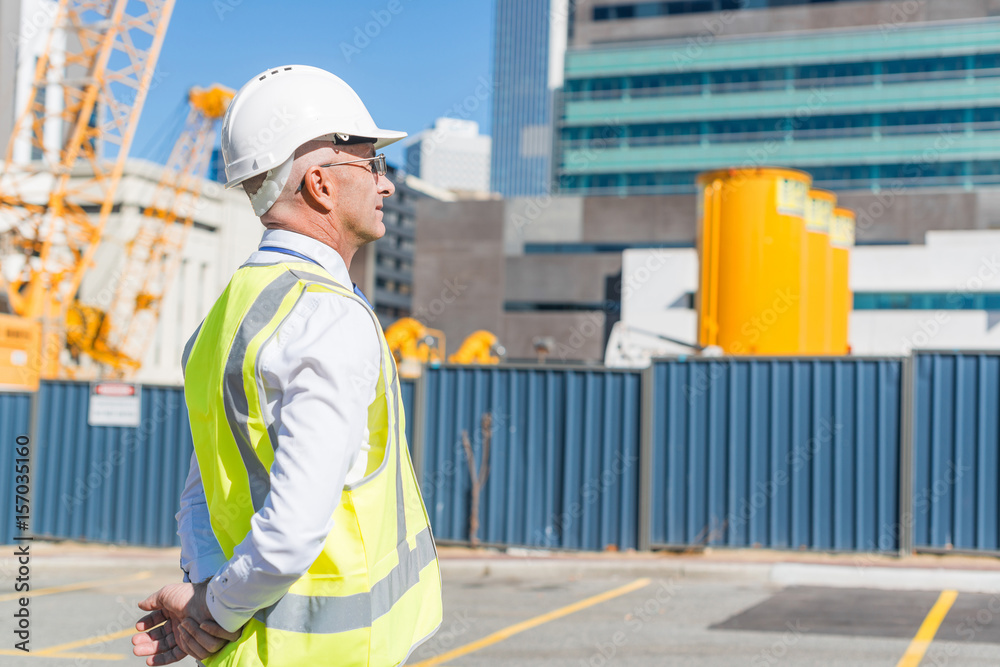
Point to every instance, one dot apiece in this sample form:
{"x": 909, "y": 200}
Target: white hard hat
{"x": 279, "y": 110}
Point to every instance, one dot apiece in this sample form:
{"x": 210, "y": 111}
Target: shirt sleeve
{"x": 324, "y": 364}
{"x": 201, "y": 555}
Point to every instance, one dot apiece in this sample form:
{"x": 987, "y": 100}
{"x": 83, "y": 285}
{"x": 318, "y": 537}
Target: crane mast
{"x": 118, "y": 337}
{"x": 91, "y": 84}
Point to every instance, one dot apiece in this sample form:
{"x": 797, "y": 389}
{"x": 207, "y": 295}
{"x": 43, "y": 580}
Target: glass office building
{"x": 894, "y": 105}
{"x": 527, "y": 62}
{"x": 638, "y": 10}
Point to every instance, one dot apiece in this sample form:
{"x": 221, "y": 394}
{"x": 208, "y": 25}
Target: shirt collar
{"x": 315, "y": 250}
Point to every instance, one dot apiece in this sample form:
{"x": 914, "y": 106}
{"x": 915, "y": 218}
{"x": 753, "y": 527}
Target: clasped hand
{"x": 178, "y": 624}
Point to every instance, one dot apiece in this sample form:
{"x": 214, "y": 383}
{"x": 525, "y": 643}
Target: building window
{"x": 774, "y": 78}
{"x": 926, "y": 301}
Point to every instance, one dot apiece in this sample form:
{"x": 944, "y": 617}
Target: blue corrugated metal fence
{"x": 778, "y": 453}
{"x": 956, "y": 440}
{"x": 564, "y": 455}
{"x": 15, "y": 417}
{"x": 109, "y": 483}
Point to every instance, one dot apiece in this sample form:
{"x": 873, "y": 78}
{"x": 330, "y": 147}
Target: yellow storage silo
{"x": 751, "y": 240}
{"x": 817, "y": 272}
{"x": 841, "y": 241}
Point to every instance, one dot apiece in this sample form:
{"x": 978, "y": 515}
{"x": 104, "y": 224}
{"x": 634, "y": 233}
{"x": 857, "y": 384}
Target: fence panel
{"x": 956, "y": 438}
{"x": 564, "y": 455}
{"x": 110, "y": 483}
{"x": 778, "y": 453}
{"x": 15, "y": 419}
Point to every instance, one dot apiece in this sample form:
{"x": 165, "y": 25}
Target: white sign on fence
{"x": 114, "y": 404}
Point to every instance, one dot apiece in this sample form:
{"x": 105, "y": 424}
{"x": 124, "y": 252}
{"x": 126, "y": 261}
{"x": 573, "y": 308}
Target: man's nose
{"x": 385, "y": 186}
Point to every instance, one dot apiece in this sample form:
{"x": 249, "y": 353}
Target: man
{"x": 302, "y": 528}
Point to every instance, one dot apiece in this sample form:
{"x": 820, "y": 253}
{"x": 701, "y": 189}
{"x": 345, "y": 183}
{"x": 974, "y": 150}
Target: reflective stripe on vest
{"x": 299, "y": 613}
{"x": 319, "y": 614}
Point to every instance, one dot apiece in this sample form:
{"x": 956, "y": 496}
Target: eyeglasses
{"x": 376, "y": 164}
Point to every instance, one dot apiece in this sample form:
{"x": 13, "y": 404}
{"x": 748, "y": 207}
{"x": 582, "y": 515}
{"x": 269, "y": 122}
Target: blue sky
{"x": 411, "y": 61}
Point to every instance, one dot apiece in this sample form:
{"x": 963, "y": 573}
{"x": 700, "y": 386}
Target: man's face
{"x": 360, "y": 193}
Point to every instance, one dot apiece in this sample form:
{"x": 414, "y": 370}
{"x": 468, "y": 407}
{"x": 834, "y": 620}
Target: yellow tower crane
{"x": 119, "y": 336}
{"x": 90, "y": 82}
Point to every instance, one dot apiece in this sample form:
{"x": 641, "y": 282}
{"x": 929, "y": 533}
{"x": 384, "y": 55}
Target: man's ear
{"x": 319, "y": 190}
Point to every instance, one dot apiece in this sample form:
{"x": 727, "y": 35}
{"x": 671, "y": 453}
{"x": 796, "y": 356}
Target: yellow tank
{"x": 841, "y": 241}
{"x": 751, "y": 240}
{"x": 817, "y": 272}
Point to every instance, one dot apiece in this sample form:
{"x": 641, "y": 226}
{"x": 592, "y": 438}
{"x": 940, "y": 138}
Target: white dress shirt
{"x": 319, "y": 373}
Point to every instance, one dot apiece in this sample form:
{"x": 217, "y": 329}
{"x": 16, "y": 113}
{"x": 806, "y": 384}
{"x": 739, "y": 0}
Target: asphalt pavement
{"x": 537, "y": 608}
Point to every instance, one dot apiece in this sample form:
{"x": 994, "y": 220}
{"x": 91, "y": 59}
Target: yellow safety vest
{"x": 374, "y": 592}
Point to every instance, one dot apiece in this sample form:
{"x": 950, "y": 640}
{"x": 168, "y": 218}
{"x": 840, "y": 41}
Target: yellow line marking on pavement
{"x": 88, "y": 641}
{"x": 531, "y": 623}
{"x": 71, "y": 656}
{"x": 145, "y": 574}
{"x": 925, "y": 635}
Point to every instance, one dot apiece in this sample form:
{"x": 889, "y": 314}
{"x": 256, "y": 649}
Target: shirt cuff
{"x": 203, "y": 568}
{"x": 217, "y": 598}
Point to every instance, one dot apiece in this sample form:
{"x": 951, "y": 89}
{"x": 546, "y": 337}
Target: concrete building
{"x": 943, "y": 294}
{"x": 550, "y": 267}
{"x": 863, "y": 95}
{"x": 529, "y": 43}
{"x": 451, "y": 155}
{"x": 26, "y": 26}
{"x": 384, "y": 269}
{"x": 223, "y": 234}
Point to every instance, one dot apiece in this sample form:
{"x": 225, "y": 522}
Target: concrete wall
{"x": 780, "y": 19}
{"x": 458, "y": 271}
{"x": 561, "y": 278}
{"x": 655, "y": 218}
{"x": 542, "y": 220}
{"x": 909, "y": 215}
{"x": 578, "y": 336}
